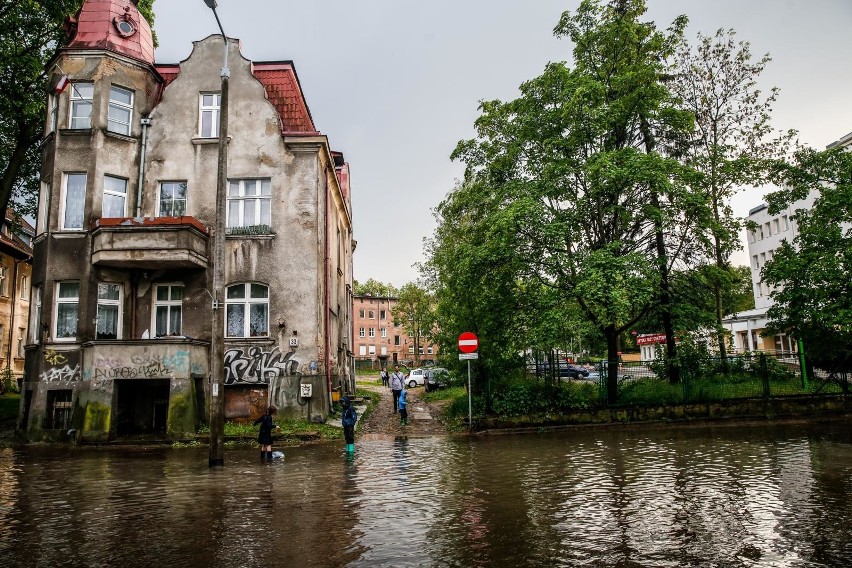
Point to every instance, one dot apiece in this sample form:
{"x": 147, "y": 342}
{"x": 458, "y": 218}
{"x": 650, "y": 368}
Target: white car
{"x": 417, "y": 377}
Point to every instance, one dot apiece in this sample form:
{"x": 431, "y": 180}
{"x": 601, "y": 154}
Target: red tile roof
{"x": 284, "y": 92}
{"x": 95, "y": 27}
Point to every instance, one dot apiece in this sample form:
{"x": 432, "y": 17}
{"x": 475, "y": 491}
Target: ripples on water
{"x": 723, "y": 496}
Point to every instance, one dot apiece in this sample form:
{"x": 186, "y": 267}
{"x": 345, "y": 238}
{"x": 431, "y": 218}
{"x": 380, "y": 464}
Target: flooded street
{"x": 753, "y": 495}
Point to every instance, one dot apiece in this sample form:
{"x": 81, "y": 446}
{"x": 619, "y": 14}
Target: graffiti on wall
{"x": 257, "y": 366}
{"x": 61, "y": 366}
{"x": 141, "y": 366}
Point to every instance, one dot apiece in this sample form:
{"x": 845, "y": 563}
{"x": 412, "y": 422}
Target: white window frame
{"x": 121, "y": 126}
{"x": 211, "y": 110}
{"x": 372, "y": 332}
{"x": 362, "y": 332}
{"x": 114, "y": 192}
{"x": 35, "y": 315}
{"x": 64, "y": 206}
{"x": 237, "y": 197}
{"x": 25, "y": 288}
{"x": 53, "y": 105}
{"x": 246, "y": 302}
{"x": 104, "y": 302}
{"x": 372, "y": 349}
{"x": 383, "y": 331}
{"x": 78, "y": 98}
{"x": 173, "y": 201}
{"x": 168, "y": 303}
{"x": 362, "y": 350}
{"x": 4, "y": 281}
{"x": 59, "y": 300}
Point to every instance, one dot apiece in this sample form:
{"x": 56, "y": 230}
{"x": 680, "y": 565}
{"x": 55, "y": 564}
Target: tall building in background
{"x": 378, "y": 342}
{"x": 122, "y": 277}
{"x": 770, "y": 231}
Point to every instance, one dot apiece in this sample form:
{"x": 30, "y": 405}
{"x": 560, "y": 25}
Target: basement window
{"x": 58, "y": 415}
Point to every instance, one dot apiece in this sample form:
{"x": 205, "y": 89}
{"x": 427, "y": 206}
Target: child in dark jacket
{"x": 349, "y": 418}
{"x": 264, "y": 437}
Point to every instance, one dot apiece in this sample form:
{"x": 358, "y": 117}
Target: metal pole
{"x": 217, "y": 334}
{"x": 802, "y": 365}
{"x": 469, "y": 399}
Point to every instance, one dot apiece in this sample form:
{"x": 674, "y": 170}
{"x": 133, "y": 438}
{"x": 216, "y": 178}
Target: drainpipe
{"x": 146, "y": 122}
{"x": 12, "y": 298}
{"x": 327, "y": 299}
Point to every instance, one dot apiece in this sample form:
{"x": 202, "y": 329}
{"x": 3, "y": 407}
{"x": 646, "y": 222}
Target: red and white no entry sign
{"x": 468, "y": 342}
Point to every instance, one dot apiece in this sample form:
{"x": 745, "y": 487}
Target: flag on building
{"x": 60, "y": 86}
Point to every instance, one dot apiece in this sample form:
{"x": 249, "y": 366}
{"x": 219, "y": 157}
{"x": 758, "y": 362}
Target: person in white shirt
{"x": 396, "y": 381}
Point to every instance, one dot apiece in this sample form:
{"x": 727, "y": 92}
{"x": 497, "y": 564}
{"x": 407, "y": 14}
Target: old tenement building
{"x": 121, "y": 304}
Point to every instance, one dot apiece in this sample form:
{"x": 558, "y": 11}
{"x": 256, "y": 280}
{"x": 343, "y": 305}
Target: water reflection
{"x": 700, "y": 496}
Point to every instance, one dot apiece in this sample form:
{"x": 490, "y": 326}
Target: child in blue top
{"x": 403, "y": 404}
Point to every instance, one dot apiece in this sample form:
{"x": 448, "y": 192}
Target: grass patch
{"x": 9, "y": 404}
{"x": 445, "y": 394}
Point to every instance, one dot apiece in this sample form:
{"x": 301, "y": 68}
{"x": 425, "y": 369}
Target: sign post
{"x": 468, "y": 344}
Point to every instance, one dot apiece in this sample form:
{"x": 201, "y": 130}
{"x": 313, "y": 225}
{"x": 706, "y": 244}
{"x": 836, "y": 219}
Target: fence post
{"x": 764, "y": 373}
{"x": 602, "y": 380}
{"x": 803, "y": 365}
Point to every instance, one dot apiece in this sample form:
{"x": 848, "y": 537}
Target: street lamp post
{"x": 217, "y": 335}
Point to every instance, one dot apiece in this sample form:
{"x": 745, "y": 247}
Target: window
{"x": 760, "y": 233}
{"x": 754, "y": 263}
{"x": 751, "y": 237}
{"x": 120, "y": 112}
{"x": 3, "y": 281}
{"x": 247, "y": 310}
{"x": 172, "y": 199}
{"x": 249, "y": 203}
{"x": 73, "y": 201}
{"x": 372, "y": 332}
{"x": 22, "y": 333}
{"x": 35, "y": 316}
{"x": 384, "y": 350}
{"x": 115, "y": 197}
{"x": 372, "y": 349}
{"x": 362, "y": 332}
{"x": 168, "y": 301}
{"x": 81, "y": 105}
{"x": 382, "y": 314}
{"x": 109, "y": 312}
{"x": 784, "y": 222}
{"x": 25, "y": 288}
{"x": 768, "y": 229}
{"x": 762, "y": 258}
{"x": 396, "y": 340}
{"x": 360, "y": 313}
{"x": 384, "y": 332}
{"x": 420, "y": 350}
{"x": 372, "y": 314}
{"x": 53, "y": 105}
{"x": 777, "y": 223}
{"x": 362, "y": 350}
{"x": 411, "y": 350}
{"x": 67, "y": 311}
{"x": 43, "y": 205}
{"x": 58, "y": 409}
{"x": 430, "y": 350}
{"x": 208, "y": 122}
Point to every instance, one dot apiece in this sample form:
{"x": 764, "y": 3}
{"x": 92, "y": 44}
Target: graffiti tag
{"x": 257, "y": 366}
{"x": 142, "y": 366}
{"x": 54, "y": 358}
{"x": 66, "y": 373}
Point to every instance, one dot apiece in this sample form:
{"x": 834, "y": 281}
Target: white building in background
{"x": 770, "y": 232}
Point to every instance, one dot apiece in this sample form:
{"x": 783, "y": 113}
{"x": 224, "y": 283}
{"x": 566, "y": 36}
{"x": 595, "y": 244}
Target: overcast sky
{"x": 395, "y": 84}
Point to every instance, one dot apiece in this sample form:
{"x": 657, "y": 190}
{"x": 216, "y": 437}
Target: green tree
{"x": 716, "y": 80}
{"x": 575, "y": 169}
{"x": 31, "y": 32}
{"x": 414, "y": 312}
{"x": 810, "y": 276}
{"x": 375, "y": 288}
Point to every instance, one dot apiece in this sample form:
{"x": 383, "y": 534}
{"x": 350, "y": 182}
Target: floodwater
{"x": 725, "y": 496}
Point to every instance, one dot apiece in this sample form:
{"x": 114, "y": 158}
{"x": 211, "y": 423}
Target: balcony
{"x": 150, "y": 243}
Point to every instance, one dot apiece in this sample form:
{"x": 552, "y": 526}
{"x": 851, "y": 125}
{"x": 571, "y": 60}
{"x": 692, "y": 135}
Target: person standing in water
{"x": 264, "y": 437}
{"x": 349, "y": 418}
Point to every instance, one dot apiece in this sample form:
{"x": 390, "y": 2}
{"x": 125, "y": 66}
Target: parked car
{"x": 566, "y": 370}
{"x": 437, "y": 378}
{"x": 416, "y": 377}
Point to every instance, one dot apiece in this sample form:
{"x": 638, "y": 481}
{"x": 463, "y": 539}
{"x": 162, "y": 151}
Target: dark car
{"x": 437, "y": 378}
{"x": 566, "y": 370}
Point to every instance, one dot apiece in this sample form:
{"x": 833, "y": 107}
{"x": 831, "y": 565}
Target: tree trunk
{"x": 612, "y": 364}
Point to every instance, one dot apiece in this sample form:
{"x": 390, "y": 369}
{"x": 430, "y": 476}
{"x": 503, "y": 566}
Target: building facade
{"x": 378, "y": 342}
{"x": 122, "y": 297}
{"x": 15, "y": 278}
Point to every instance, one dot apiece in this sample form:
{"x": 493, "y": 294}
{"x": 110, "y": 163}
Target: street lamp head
{"x": 210, "y": 4}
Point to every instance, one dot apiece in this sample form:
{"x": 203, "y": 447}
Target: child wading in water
{"x": 348, "y": 419}
{"x": 264, "y": 437}
{"x": 403, "y": 407}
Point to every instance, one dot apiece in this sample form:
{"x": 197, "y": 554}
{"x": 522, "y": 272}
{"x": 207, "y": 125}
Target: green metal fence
{"x": 751, "y": 375}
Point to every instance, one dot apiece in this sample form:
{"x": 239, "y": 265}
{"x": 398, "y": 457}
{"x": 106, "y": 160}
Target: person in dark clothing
{"x": 349, "y": 418}
{"x": 264, "y": 437}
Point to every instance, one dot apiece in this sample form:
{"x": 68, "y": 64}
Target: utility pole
{"x": 217, "y": 335}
